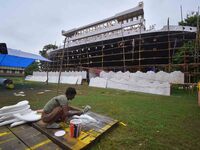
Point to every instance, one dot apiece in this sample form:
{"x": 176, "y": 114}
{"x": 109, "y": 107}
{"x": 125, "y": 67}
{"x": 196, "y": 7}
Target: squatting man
{"x": 57, "y": 109}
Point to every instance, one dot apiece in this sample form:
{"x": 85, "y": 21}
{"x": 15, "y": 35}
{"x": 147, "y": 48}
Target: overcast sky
{"x": 28, "y": 25}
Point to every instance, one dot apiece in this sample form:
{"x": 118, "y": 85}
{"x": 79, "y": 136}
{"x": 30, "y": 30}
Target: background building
{"x": 13, "y": 62}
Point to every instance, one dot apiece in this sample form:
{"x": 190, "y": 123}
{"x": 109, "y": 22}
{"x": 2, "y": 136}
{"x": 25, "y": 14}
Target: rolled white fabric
{"x": 8, "y": 121}
{"x": 17, "y": 123}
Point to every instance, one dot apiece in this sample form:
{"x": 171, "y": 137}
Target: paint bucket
{"x": 75, "y": 128}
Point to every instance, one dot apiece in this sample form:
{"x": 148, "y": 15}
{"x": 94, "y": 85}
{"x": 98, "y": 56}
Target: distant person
{"x": 57, "y": 109}
{"x": 154, "y": 69}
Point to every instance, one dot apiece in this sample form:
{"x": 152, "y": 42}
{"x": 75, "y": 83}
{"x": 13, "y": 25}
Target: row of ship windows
{"x": 93, "y": 55}
{"x": 86, "y": 51}
{"x": 107, "y": 24}
{"x": 117, "y": 32}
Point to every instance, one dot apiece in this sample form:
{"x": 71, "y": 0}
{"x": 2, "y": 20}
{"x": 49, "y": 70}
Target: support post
{"x": 102, "y": 58}
{"x": 169, "y": 48}
{"x": 198, "y": 90}
{"x": 123, "y": 44}
{"x": 140, "y": 38}
{"x": 47, "y": 81}
{"x": 62, "y": 58}
{"x": 47, "y": 70}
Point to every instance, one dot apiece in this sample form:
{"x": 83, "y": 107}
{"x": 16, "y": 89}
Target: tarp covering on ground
{"x": 17, "y": 58}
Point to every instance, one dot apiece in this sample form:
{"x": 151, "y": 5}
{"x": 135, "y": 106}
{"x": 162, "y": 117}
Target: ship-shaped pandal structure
{"x": 122, "y": 43}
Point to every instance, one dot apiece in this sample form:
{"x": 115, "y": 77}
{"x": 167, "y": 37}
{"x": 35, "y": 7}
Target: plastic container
{"x": 75, "y": 128}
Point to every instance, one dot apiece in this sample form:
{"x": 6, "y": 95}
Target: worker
{"x": 57, "y": 109}
{"x": 7, "y": 83}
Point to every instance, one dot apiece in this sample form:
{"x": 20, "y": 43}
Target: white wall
{"x": 150, "y": 82}
{"x": 71, "y": 77}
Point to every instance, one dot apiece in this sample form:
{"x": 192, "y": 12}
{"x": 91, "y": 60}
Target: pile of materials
{"x": 18, "y": 114}
{"x": 149, "y": 82}
{"x": 71, "y": 77}
{"x": 7, "y": 83}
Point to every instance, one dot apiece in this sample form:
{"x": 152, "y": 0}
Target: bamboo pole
{"x": 63, "y": 51}
{"x": 198, "y": 90}
{"x": 197, "y": 39}
{"x": 102, "y": 57}
{"x": 169, "y": 47}
{"x": 124, "y": 57}
{"x": 139, "y": 57}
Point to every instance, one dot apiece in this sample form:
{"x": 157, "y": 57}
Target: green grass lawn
{"x": 153, "y": 122}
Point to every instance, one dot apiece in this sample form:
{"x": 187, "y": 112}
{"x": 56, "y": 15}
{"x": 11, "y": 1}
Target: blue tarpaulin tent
{"x": 17, "y": 58}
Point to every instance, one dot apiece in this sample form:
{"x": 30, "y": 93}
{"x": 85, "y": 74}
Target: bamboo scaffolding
{"x": 129, "y": 45}
{"x": 102, "y": 54}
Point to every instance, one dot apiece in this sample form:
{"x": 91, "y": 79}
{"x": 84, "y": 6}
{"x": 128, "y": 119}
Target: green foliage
{"x": 188, "y": 49}
{"x": 33, "y": 67}
{"x": 190, "y": 20}
{"x": 46, "y": 48}
{"x": 43, "y": 53}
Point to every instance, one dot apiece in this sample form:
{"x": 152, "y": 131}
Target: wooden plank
{"x": 88, "y": 135}
{"x": 34, "y": 139}
{"x": 8, "y": 141}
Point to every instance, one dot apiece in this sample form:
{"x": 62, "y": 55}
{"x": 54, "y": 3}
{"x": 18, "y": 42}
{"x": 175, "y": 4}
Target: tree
{"x": 190, "y": 20}
{"x": 33, "y": 67}
{"x": 188, "y": 48}
{"x": 43, "y": 53}
{"x": 188, "y": 52}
